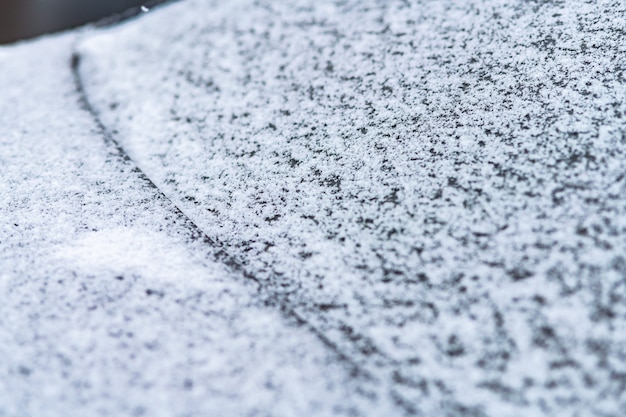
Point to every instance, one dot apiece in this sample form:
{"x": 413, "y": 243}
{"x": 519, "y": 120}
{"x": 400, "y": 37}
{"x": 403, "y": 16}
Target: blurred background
{"x": 22, "y": 19}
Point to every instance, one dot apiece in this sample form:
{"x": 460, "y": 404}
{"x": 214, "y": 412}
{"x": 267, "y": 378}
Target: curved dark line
{"x": 197, "y": 234}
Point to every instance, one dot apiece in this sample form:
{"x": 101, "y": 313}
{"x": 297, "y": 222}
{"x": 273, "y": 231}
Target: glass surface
{"x": 22, "y": 19}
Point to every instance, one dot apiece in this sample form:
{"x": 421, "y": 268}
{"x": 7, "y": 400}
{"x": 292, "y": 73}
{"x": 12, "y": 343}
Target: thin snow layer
{"x": 107, "y": 305}
{"x": 439, "y": 186}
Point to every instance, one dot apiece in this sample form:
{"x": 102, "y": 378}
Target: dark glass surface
{"x": 22, "y": 19}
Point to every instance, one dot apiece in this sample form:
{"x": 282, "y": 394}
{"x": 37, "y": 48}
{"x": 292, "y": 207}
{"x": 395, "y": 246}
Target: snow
{"x": 437, "y": 190}
{"x": 108, "y": 305}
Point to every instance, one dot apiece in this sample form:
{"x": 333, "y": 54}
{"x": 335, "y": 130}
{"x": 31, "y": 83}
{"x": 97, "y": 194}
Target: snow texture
{"x": 434, "y": 190}
{"x": 109, "y": 304}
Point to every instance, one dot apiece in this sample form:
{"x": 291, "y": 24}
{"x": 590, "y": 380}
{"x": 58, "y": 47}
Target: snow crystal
{"x": 428, "y": 200}
{"x": 438, "y": 186}
{"x": 109, "y": 303}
